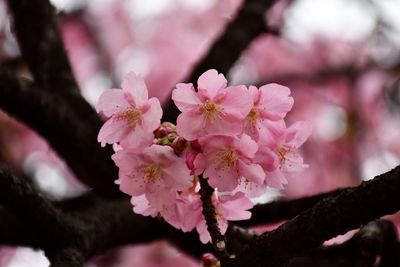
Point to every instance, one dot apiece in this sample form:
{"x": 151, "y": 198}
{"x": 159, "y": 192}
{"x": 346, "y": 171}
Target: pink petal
{"x": 184, "y": 97}
{"x": 235, "y": 207}
{"x": 271, "y": 132}
{"x": 293, "y": 163}
{"x": 142, "y": 206}
{"x": 222, "y": 177}
{"x": 275, "y": 100}
{"x": 151, "y": 118}
{"x": 224, "y": 124}
{"x": 246, "y": 146}
{"x": 124, "y": 158}
{"x": 200, "y": 164}
{"x": 254, "y": 94}
{"x": 177, "y": 175}
{"x": 137, "y": 138}
{"x": 160, "y": 196}
{"x": 190, "y": 125}
{"x": 252, "y": 172}
{"x": 112, "y": 131}
{"x": 267, "y": 159}
{"x": 112, "y": 101}
{"x": 301, "y": 131}
{"x": 216, "y": 142}
{"x": 237, "y": 100}
{"x": 251, "y": 189}
{"x": 135, "y": 85}
{"x": 171, "y": 214}
{"x": 276, "y": 179}
{"x": 203, "y": 233}
{"x": 133, "y": 184}
{"x": 210, "y": 82}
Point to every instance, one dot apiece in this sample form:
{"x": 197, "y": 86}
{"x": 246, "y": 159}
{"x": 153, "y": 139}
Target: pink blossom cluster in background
{"x": 235, "y": 137}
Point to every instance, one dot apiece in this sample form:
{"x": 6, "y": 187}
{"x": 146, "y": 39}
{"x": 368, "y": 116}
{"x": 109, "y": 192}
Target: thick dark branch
{"x": 79, "y": 231}
{"x": 40, "y": 216}
{"x": 226, "y": 50}
{"x": 57, "y": 123}
{"x": 13, "y": 232}
{"x": 281, "y": 210}
{"x": 113, "y": 223}
{"x": 42, "y": 47}
{"x": 41, "y": 44}
{"x": 376, "y": 241}
{"x": 69, "y": 257}
{"x": 248, "y": 24}
{"x": 18, "y": 195}
{"x": 330, "y": 217}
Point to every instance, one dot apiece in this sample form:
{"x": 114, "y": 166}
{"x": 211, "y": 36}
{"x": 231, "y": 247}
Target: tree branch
{"x": 41, "y": 45}
{"x": 57, "y": 123}
{"x": 217, "y": 239}
{"x": 281, "y": 210}
{"x": 37, "y": 31}
{"x": 80, "y": 231}
{"x": 226, "y": 50}
{"x": 375, "y": 242}
{"x": 330, "y": 217}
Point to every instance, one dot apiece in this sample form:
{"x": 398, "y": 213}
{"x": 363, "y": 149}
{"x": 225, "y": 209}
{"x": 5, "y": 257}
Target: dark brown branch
{"x": 41, "y": 44}
{"x": 80, "y": 231}
{"x": 281, "y": 210}
{"x": 226, "y": 50}
{"x": 56, "y": 122}
{"x": 45, "y": 220}
{"x": 217, "y": 239}
{"x": 70, "y": 257}
{"x": 376, "y": 240}
{"x": 13, "y": 232}
{"x": 330, "y": 217}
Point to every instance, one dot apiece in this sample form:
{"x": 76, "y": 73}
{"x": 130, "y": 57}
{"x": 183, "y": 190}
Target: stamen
{"x": 210, "y": 109}
{"x": 282, "y": 154}
{"x": 152, "y": 172}
{"x": 227, "y": 157}
{"x": 253, "y": 115}
{"x": 132, "y": 116}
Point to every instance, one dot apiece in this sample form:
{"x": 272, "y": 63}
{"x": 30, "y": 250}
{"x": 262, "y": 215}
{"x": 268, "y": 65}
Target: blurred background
{"x": 340, "y": 58}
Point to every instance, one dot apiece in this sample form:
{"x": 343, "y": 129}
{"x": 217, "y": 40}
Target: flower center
{"x": 227, "y": 157}
{"x": 132, "y": 116}
{"x": 252, "y": 118}
{"x": 282, "y": 154}
{"x": 253, "y": 115}
{"x": 210, "y": 109}
{"x": 152, "y": 172}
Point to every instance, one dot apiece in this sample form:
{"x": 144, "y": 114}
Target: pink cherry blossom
{"x": 251, "y": 189}
{"x": 156, "y": 172}
{"x": 278, "y": 152}
{"x": 134, "y": 117}
{"x": 270, "y": 103}
{"x": 214, "y": 109}
{"x": 185, "y": 213}
{"x": 287, "y": 147}
{"x": 142, "y": 206}
{"x": 225, "y": 159}
{"x": 227, "y": 207}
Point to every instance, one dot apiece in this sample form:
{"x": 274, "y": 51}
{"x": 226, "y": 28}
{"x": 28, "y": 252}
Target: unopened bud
{"x": 208, "y": 260}
{"x": 220, "y": 245}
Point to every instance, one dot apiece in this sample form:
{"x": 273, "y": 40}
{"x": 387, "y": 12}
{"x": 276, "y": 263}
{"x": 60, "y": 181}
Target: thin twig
{"x": 217, "y": 238}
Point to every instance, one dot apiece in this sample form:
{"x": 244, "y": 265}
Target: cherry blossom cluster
{"x": 234, "y": 137}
